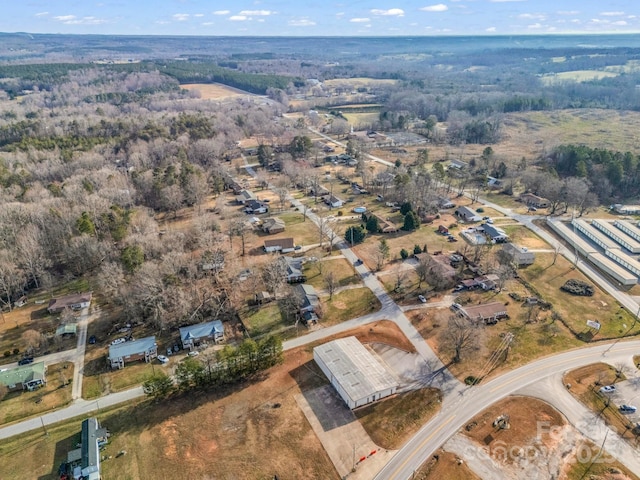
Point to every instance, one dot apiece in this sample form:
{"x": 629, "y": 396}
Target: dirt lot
{"x": 445, "y": 466}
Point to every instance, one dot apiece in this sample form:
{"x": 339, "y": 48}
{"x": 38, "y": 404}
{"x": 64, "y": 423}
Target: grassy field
{"x": 392, "y": 422}
{"x": 604, "y": 468}
{"x": 548, "y": 279}
{"x": 264, "y": 319}
{"x": 213, "y": 91}
{"x": 108, "y": 381}
{"x": 576, "y": 76}
{"x": 341, "y": 269}
{"x": 55, "y": 394}
{"x": 349, "y": 304}
{"x": 361, "y": 120}
{"x": 356, "y": 82}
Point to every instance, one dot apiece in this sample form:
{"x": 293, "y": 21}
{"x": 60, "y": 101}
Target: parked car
{"x": 490, "y": 221}
{"x": 118, "y": 341}
{"x": 608, "y": 389}
{"x": 195, "y": 353}
{"x": 456, "y": 306}
{"x": 92, "y": 339}
{"x": 627, "y": 409}
{"x": 422, "y": 299}
{"x": 532, "y": 209}
{"x": 357, "y": 262}
{"x": 25, "y": 361}
{"x": 163, "y": 359}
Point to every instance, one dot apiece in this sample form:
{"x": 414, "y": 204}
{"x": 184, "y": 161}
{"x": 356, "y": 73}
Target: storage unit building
{"x": 354, "y": 372}
{"x": 612, "y": 269}
{"x": 594, "y": 235}
{"x": 626, "y": 261}
{"x": 628, "y": 228}
{"x": 619, "y": 236}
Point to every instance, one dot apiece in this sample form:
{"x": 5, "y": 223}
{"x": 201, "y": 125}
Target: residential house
{"x": 85, "y": 461}
{"x": 273, "y": 225}
{"x": 195, "y": 335}
{"x": 626, "y": 209}
{"x": 236, "y": 187}
{"x": 255, "y": 207}
{"x": 487, "y": 282}
{"x": 467, "y": 215}
{"x": 333, "y": 201}
{"x": 319, "y": 191}
{"x": 293, "y": 268}
{"x": 521, "y": 256}
{"x": 532, "y": 200}
{"x": 496, "y": 234}
{"x": 75, "y": 301}
{"x": 445, "y": 202}
{"x": 493, "y": 182}
{"x": 458, "y": 164}
{"x": 143, "y": 349}
{"x": 24, "y": 377}
{"x": 245, "y": 196}
{"x": 310, "y": 303}
{"x": 489, "y": 313}
{"x": 441, "y": 265}
{"x": 282, "y": 245}
{"x": 386, "y": 226}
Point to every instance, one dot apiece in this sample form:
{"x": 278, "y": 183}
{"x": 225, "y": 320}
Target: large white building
{"x": 354, "y": 371}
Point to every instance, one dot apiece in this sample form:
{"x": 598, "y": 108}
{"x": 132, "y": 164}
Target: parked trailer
{"x": 617, "y": 235}
{"x": 628, "y": 228}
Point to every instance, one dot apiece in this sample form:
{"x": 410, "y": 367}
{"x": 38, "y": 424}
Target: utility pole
{"x": 43, "y": 427}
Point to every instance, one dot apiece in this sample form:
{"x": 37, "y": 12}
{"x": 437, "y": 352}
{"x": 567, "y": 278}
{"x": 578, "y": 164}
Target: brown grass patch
{"x": 214, "y": 91}
{"x": 445, "y": 466}
{"x": 390, "y": 423}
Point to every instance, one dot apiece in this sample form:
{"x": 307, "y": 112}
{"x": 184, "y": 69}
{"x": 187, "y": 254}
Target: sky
{"x": 320, "y": 17}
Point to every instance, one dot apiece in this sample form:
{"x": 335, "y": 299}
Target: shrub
{"x": 7, "y": 353}
{"x": 480, "y": 210}
{"x": 340, "y": 213}
{"x": 471, "y": 380}
{"x": 16, "y": 351}
{"x": 404, "y": 254}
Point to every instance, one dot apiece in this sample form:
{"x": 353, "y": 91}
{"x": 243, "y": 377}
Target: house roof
{"x": 485, "y": 310}
{"x": 466, "y": 212}
{"x": 272, "y": 222}
{"x": 494, "y": 232}
{"x": 311, "y": 298}
{"x": 281, "y": 242}
{"x": 90, "y": 437}
{"x": 354, "y": 368}
{"x": 333, "y": 199}
{"x": 23, "y": 374}
{"x": 245, "y": 195}
{"x": 513, "y": 249}
{"x": 201, "y": 330}
{"x": 132, "y": 348}
{"x": 61, "y": 303}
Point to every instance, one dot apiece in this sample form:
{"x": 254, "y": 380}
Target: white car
{"x": 608, "y": 389}
{"x": 422, "y": 299}
{"x": 195, "y": 353}
{"x": 118, "y": 341}
{"x": 163, "y": 359}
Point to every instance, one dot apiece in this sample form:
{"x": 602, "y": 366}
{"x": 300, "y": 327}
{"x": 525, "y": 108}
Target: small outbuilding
{"x": 354, "y": 372}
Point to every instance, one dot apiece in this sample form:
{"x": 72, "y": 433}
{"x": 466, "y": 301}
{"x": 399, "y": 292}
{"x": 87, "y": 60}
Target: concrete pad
{"x": 348, "y": 445}
{"x": 410, "y": 368}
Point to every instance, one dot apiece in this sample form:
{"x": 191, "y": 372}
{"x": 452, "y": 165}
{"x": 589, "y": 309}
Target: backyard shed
{"x": 354, "y": 371}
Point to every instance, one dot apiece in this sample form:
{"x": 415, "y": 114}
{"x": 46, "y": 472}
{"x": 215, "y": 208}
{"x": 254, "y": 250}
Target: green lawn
{"x": 264, "y": 319}
{"x": 109, "y": 381}
{"x": 349, "y": 304}
{"x": 342, "y": 270}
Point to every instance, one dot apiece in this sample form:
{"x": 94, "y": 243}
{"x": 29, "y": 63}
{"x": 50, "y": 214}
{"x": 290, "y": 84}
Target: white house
{"x": 283, "y": 245}
{"x": 333, "y": 201}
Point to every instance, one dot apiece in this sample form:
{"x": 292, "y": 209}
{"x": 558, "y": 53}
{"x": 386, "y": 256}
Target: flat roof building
{"x": 354, "y": 371}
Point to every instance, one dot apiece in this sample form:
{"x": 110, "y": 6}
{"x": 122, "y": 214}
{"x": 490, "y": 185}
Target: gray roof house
{"x": 143, "y": 349}
{"x": 194, "y": 335}
{"x": 497, "y": 235}
{"x": 310, "y": 299}
{"x": 75, "y": 301}
{"x": 245, "y": 196}
{"x": 467, "y": 215}
{"x": 86, "y": 459}
{"x": 519, "y": 255}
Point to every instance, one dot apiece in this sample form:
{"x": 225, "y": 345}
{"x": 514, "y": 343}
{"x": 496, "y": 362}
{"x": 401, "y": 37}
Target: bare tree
{"x": 401, "y": 276}
{"x": 274, "y": 275}
{"x": 33, "y": 340}
{"x": 461, "y": 336}
{"x": 422, "y": 268}
{"x": 331, "y": 283}
{"x": 12, "y": 280}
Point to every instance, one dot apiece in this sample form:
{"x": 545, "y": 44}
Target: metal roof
{"x": 132, "y": 348}
{"x": 22, "y": 374}
{"x": 201, "y": 330}
{"x": 357, "y": 371}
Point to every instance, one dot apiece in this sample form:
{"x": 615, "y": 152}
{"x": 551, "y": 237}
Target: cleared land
{"x": 213, "y": 91}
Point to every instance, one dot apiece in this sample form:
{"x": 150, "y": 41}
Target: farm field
{"x": 214, "y": 91}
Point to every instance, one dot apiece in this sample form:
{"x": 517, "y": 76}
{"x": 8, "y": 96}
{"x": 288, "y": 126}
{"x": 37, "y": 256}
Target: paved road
{"x": 457, "y": 411}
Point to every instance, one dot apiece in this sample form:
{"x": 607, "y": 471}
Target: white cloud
{"x": 41, "y": 14}
{"x": 256, "y": 13}
{"x": 180, "y": 17}
{"x": 301, "y": 22}
{"x": 491, "y": 29}
{"x": 73, "y": 20}
{"x": 206, "y": 24}
{"x": 620, "y": 23}
{"x": 222, "y": 12}
{"x": 534, "y": 26}
{"x": 532, "y": 16}
{"x": 568, "y": 12}
{"x": 611, "y": 14}
{"x": 161, "y": 22}
{"x": 360, "y": 20}
{"x": 198, "y": 15}
{"x": 340, "y": 14}
{"x": 440, "y": 7}
{"x": 392, "y": 12}
{"x": 238, "y": 18}
{"x": 505, "y": 1}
